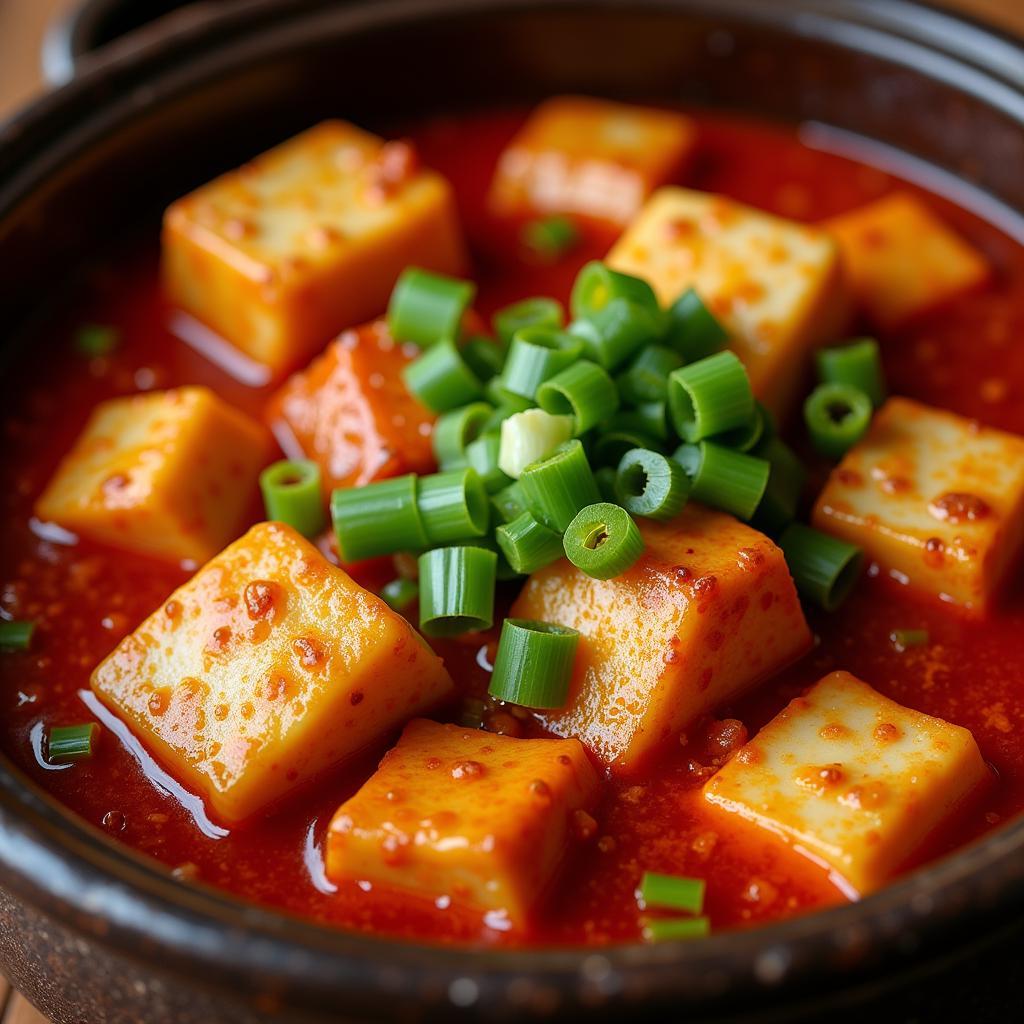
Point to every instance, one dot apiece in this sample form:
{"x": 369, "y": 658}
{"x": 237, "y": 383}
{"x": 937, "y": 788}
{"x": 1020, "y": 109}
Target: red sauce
{"x": 85, "y": 598}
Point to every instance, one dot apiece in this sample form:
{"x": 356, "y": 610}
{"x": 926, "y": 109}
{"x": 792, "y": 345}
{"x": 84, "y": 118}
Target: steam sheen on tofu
{"x": 481, "y": 819}
{"x": 851, "y": 779}
{"x": 590, "y": 157}
{"x": 708, "y": 611}
{"x": 264, "y": 670}
{"x": 902, "y": 260}
{"x": 351, "y": 412}
{"x": 171, "y": 474}
{"x": 283, "y": 253}
{"x": 935, "y": 499}
{"x": 775, "y": 284}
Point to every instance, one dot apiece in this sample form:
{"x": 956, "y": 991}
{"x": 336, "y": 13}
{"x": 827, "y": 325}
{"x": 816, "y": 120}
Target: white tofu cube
{"x": 775, "y": 284}
{"x": 852, "y": 779}
{"x": 934, "y": 499}
{"x": 282, "y": 254}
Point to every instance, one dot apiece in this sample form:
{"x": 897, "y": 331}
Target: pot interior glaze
{"x": 93, "y": 932}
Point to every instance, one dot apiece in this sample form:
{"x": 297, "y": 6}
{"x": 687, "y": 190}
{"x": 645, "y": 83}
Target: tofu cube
{"x": 851, "y": 779}
{"x": 268, "y": 667}
{"x": 901, "y": 260}
{"x": 776, "y": 285}
{"x": 590, "y": 157}
{"x": 351, "y": 412}
{"x": 170, "y": 474}
{"x": 283, "y": 253}
{"x": 934, "y": 499}
{"x": 481, "y": 819}
{"x": 708, "y": 611}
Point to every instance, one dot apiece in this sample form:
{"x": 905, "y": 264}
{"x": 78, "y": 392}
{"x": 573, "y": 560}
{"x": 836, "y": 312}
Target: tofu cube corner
{"x": 935, "y": 499}
{"x": 590, "y": 157}
{"x": 267, "y": 668}
{"x": 481, "y": 819}
{"x": 282, "y": 254}
{"x": 351, "y": 412}
{"x": 707, "y": 612}
{"x": 851, "y": 779}
{"x": 169, "y": 474}
{"x": 902, "y": 260}
{"x": 776, "y": 285}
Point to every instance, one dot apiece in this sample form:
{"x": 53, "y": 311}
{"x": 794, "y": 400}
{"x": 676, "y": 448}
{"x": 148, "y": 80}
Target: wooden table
{"x": 22, "y": 23}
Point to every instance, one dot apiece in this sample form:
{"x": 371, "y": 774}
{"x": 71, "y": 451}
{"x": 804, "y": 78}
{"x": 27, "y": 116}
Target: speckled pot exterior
{"x": 95, "y": 934}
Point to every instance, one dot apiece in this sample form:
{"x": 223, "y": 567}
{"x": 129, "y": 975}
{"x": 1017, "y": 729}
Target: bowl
{"x": 91, "y": 931}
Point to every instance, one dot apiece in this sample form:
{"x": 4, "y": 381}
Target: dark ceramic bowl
{"x": 92, "y": 932}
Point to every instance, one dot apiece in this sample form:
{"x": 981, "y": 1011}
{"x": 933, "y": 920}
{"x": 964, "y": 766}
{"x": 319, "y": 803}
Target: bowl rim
{"x": 70, "y": 870}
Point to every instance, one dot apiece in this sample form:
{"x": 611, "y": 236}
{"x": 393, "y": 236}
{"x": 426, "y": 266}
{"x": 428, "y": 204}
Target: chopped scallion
{"x": 904, "y": 639}
{"x": 675, "y": 929}
{"x": 693, "y": 330}
{"x": 557, "y": 487}
{"x": 528, "y": 544}
{"x": 536, "y": 355}
{"x": 670, "y": 892}
{"x": 71, "y": 742}
{"x": 837, "y": 417}
{"x": 95, "y": 340}
{"x": 16, "y": 636}
{"x": 613, "y": 334}
{"x": 453, "y": 506}
{"x": 603, "y": 541}
{"x": 597, "y": 285}
{"x": 426, "y": 307}
{"x": 857, "y": 364}
{"x": 824, "y": 568}
{"x": 550, "y": 238}
{"x": 457, "y": 590}
{"x": 533, "y": 666}
{"x": 292, "y": 494}
{"x": 482, "y": 455}
{"x": 646, "y": 380}
{"x": 650, "y": 484}
{"x": 456, "y": 429}
{"x": 584, "y": 391}
{"x": 732, "y": 481}
{"x": 710, "y": 397}
{"x": 441, "y": 379}
{"x": 400, "y": 593}
{"x": 536, "y": 312}
{"x": 380, "y": 518}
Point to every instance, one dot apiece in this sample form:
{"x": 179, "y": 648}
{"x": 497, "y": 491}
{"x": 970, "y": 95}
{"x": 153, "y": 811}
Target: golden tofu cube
{"x": 851, "y": 779}
{"x": 481, "y": 819}
{"x": 708, "y": 611}
{"x": 901, "y": 260}
{"x": 172, "y": 474}
{"x": 351, "y": 412}
{"x": 268, "y": 667}
{"x": 776, "y": 285}
{"x": 282, "y": 254}
{"x": 590, "y": 157}
{"x": 935, "y": 499}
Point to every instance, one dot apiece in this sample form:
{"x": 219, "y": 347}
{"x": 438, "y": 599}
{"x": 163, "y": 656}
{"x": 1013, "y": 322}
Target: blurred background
{"x": 23, "y": 25}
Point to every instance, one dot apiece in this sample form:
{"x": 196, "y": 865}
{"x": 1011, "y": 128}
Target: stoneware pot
{"x": 93, "y": 933}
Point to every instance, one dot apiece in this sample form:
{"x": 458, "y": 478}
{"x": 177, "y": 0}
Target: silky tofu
{"x": 936, "y": 500}
{"x": 776, "y": 285}
{"x": 708, "y": 611}
{"x": 172, "y": 474}
{"x": 852, "y": 779}
{"x": 902, "y": 260}
{"x": 351, "y": 412}
{"x": 283, "y": 253}
{"x": 269, "y": 666}
{"x": 590, "y": 157}
{"x": 482, "y": 820}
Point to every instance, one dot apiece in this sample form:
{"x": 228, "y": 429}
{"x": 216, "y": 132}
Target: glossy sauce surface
{"x": 85, "y": 598}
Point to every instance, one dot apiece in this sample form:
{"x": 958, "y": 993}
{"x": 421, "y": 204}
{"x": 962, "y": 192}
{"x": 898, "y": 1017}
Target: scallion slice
{"x": 482, "y": 455}
{"x": 292, "y": 494}
{"x": 533, "y": 666}
{"x": 381, "y": 518}
{"x": 440, "y": 378}
{"x": 557, "y": 487}
{"x": 457, "y": 590}
{"x": 624, "y": 432}
{"x": 614, "y": 333}
{"x": 650, "y": 484}
{"x": 745, "y": 438}
{"x": 732, "y": 481}
{"x": 603, "y": 541}
{"x": 646, "y": 380}
{"x": 535, "y": 312}
{"x": 584, "y": 391}
{"x": 550, "y": 238}
{"x": 96, "y": 340}
{"x": 675, "y": 929}
{"x": 456, "y": 429}
{"x": 858, "y": 365}
{"x": 453, "y": 506}
{"x": 693, "y": 330}
{"x": 16, "y": 636}
{"x": 786, "y": 480}
{"x": 837, "y": 417}
{"x": 670, "y": 892}
{"x": 710, "y": 397}
{"x": 529, "y": 436}
{"x": 509, "y": 502}
{"x": 484, "y": 357}
{"x": 528, "y": 545}
{"x": 426, "y": 307}
{"x": 605, "y": 480}
{"x": 824, "y": 568}
{"x": 71, "y": 742}
{"x": 536, "y": 355}
{"x": 597, "y": 285}
{"x": 904, "y": 639}
{"x": 400, "y": 593}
